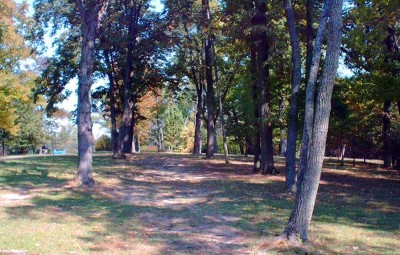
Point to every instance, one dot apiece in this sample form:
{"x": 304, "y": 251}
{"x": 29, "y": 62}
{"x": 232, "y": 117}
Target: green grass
{"x": 130, "y": 210}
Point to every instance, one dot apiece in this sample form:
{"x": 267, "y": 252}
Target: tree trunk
{"x": 199, "y": 84}
{"x": 262, "y": 50}
{"x": 113, "y": 107}
{"x": 311, "y": 83}
{"x": 386, "y": 149}
{"x": 209, "y": 79}
{"x": 293, "y": 122}
{"x": 256, "y": 105}
{"x": 221, "y": 112}
{"x": 126, "y": 129}
{"x": 310, "y": 35}
{"x": 309, "y": 177}
{"x": 90, "y": 16}
{"x": 131, "y": 146}
{"x": 342, "y": 152}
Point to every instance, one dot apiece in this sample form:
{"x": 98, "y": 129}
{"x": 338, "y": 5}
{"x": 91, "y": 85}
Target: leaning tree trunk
{"x": 386, "y": 150}
{"x": 209, "y": 79}
{"x": 90, "y": 14}
{"x": 310, "y": 90}
{"x": 309, "y": 177}
{"x": 294, "y": 98}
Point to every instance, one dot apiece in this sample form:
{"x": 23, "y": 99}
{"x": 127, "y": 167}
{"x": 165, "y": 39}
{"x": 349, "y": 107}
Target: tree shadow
{"x": 187, "y": 205}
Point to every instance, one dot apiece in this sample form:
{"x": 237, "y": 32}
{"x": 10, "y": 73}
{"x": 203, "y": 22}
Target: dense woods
{"x": 300, "y": 79}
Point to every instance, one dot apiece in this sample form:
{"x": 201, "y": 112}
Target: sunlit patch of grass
{"x": 152, "y": 203}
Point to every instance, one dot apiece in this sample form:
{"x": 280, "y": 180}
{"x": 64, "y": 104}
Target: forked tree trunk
{"x": 91, "y": 13}
{"x": 311, "y": 83}
{"x": 309, "y": 177}
{"x": 293, "y": 122}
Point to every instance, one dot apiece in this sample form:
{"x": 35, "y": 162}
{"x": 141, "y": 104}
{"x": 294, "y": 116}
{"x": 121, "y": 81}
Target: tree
{"x": 91, "y": 13}
{"x": 293, "y": 111}
{"x": 374, "y": 23}
{"x": 208, "y": 57}
{"x": 316, "y": 121}
{"x": 103, "y": 143}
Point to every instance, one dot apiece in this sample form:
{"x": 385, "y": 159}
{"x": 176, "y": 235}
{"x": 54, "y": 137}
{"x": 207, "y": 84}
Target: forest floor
{"x": 183, "y": 204}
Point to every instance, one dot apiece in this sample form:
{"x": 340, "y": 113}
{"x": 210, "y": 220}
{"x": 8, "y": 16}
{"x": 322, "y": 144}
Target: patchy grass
{"x": 182, "y": 204}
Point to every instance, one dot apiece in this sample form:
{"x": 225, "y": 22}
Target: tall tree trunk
{"x": 209, "y": 79}
{"x": 90, "y": 14}
{"x": 386, "y": 150}
{"x": 200, "y": 105}
{"x": 256, "y": 107}
{"x": 221, "y": 112}
{"x": 199, "y": 84}
{"x": 126, "y": 129}
{"x": 113, "y": 107}
{"x": 262, "y": 49}
{"x": 294, "y": 98}
{"x": 309, "y": 177}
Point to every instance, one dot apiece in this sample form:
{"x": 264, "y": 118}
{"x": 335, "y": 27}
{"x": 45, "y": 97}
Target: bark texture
{"x": 91, "y": 13}
{"x": 309, "y": 177}
{"x": 294, "y": 98}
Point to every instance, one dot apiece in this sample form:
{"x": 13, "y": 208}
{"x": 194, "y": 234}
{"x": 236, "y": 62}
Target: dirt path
{"x": 194, "y": 201}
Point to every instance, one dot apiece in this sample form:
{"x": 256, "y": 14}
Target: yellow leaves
{"x": 12, "y": 44}
{"x": 14, "y": 90}
{"x": 188, "y": 135}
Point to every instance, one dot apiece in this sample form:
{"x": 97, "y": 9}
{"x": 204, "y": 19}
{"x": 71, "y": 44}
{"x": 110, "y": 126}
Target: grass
{"x": 180, "y": 204}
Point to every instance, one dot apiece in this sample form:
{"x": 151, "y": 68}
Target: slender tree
{"x": 294, "y": 109}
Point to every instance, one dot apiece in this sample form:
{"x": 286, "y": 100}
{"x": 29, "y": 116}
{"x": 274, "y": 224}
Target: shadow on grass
{"x": 188, "y": 204}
